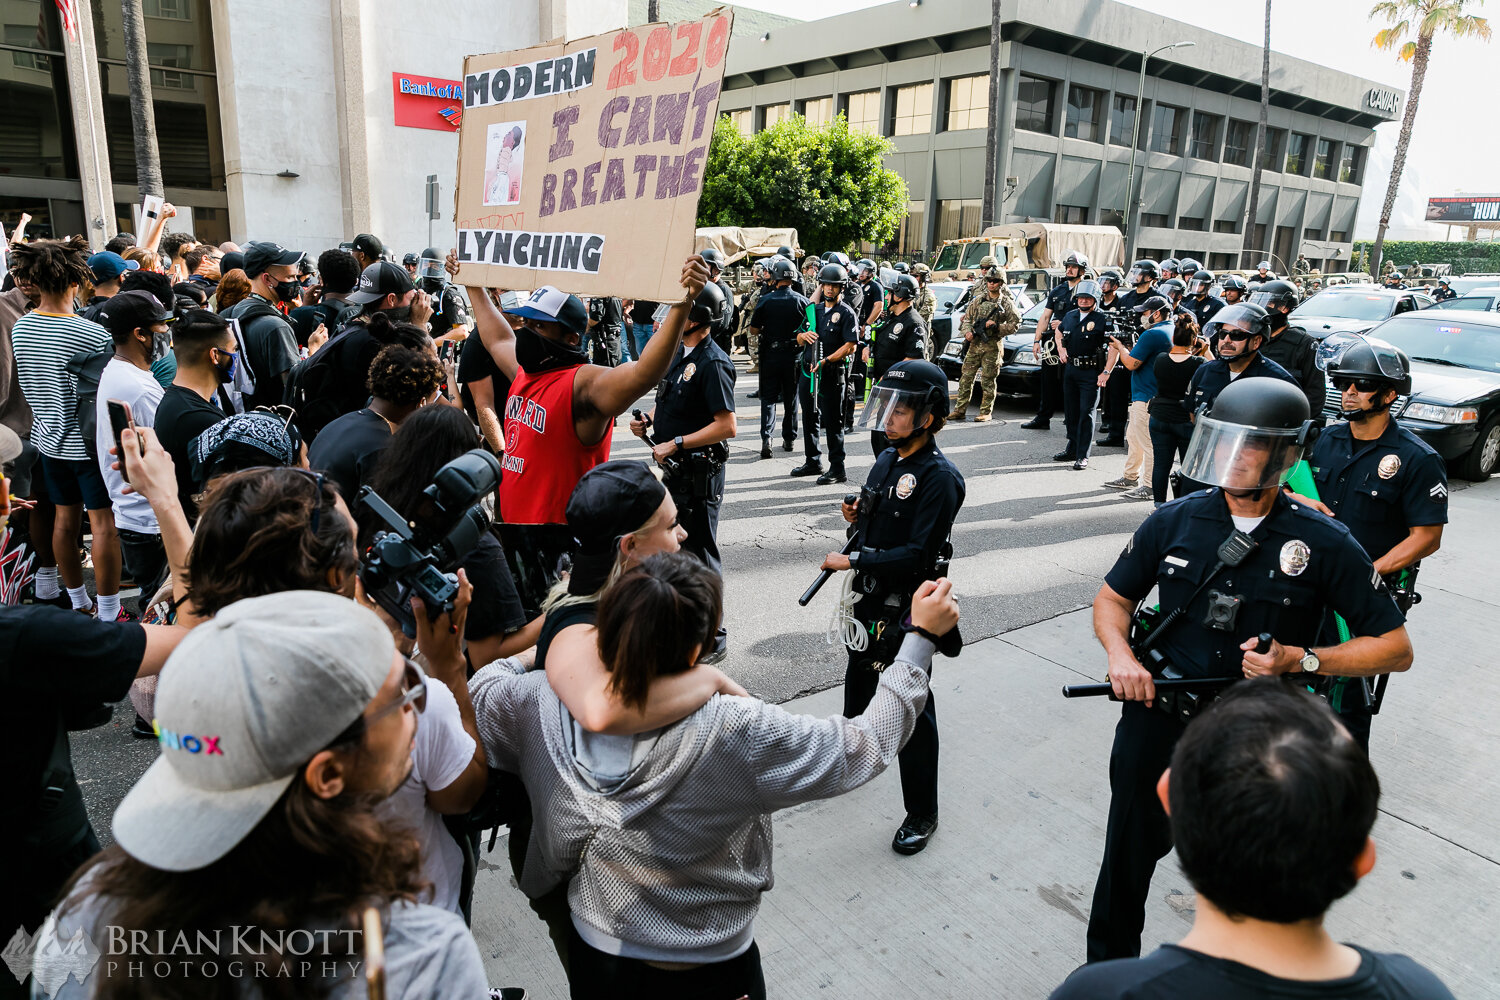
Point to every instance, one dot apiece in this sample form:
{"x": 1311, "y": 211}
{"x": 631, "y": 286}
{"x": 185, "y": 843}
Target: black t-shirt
{"x": 1176, "y": 973}
{"x": 348, "y": 449}
{"x": 271, "y": 346}
{"x": 55, "y": 662}
{"x": 1172, "y": 378}
{"x": 699, "y": 385}
{"x": 475, "y": 364}
{"x": 496, "y": 608}
{"x": 606, "y": 313}
{"x": 872, "y": 293}
{"x": 642, "y": 311}
{"x": 558, "y": 619}
{"x": 180, "y": 418}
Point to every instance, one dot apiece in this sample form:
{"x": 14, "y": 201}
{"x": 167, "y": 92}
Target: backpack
{"x": 312, "y": 386}
{"x": 334, "y": 315}
{"x": 87, "y": 367}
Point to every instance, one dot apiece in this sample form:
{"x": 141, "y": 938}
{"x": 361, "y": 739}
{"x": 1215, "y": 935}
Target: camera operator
{"x": 1270, "y": 804}
{"x": 634, "y": 933}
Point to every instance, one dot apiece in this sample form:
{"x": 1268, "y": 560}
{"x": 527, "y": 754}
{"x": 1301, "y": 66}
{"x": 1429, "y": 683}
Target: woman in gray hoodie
{"x": 664, "y": 837}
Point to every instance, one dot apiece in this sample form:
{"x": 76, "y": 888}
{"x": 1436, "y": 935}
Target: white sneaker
{"x": 1139, "y": 493}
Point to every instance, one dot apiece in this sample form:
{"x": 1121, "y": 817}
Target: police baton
{"x": 825, "y": 575}
{"x": 1262, "y": 645}
{"x": 671, "y": 464}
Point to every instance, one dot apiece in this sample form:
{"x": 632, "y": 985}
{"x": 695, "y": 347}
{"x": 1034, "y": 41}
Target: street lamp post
{"x": 1135, "y": 141}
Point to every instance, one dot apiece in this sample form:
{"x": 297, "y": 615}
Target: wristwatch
{"x": 1309, "y": 661}
{"x": 678, "y": 442}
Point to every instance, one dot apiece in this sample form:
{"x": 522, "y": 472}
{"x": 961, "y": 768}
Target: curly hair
{"x": 339, "y": 270}
{"x": 234, "y": 288}
{"x": 53, "y": 266}
{"x": 264, "y": 531}
{"x": 172, "y": 243}
{"x": 404, "y": 376}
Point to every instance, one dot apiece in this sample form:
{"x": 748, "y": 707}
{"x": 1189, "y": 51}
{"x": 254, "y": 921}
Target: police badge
{"x": 689, "y": 371}
{"x": 1294, "y": 556}
{"x": 906, "y": 485}
{"x": 1389, "y": 466}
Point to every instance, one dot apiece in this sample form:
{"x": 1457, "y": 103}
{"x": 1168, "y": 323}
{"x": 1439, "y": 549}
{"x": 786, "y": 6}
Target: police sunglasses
{"x": 1234, "y": 333}
{"x": 1343, "y": 384}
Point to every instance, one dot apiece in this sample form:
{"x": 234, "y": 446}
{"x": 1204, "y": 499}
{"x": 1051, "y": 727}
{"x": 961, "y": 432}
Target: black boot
{"x": 832, "y": 476}
{"x": 914, "y": 834}
{"x": 808, "y": 468}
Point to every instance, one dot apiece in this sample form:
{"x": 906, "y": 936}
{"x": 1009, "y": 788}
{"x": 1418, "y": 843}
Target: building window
{"x": 1155, "y": 220}
{"x": 1352, "y": 165}
{"x": 176, "y": 10}
{"x": 1112, "y": 217}
{"x": 818, "y": 110}
{"x": 1205, "y": 144}
{"x": 958, "y": 218}
{"x": 968, "y": 103}
{"x": 1166, "y": 126}
{"x": 1226, "y": 226}
{"x": 1270, "y": 157}
{"x": 1034, "y": 104}
{"x": 1071, "y": 215}
{"x": 1192, "y": 223}
{"x": 1311, "y": 233}
{"x": 912, "y": 237}
{"x": 1339, "y": 236}
{"x": 1296, "y": 154}
{"x": 158, "y": 54}
{"x": 1083, "y": 114}
{"x": 1323, "y": 164}
{"x": 913, "y": 110}
{"x": 863, "y": 111}
{"x": 1259, "y": 239}
{"x": 1122, "y": 120}
{"x": 1220, "y": 261}
{"x": 773, "y": 113}
{"x": 743, "y": 121}
{"x": 1238, "y": 138}
{"x": 25, "y": 35}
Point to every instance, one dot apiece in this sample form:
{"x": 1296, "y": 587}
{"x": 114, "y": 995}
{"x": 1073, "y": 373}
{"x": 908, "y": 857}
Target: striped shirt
{"x": 44, "y": 343}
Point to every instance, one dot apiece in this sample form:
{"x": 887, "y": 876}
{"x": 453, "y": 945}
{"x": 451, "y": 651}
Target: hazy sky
{"x": 1454, "y": 146}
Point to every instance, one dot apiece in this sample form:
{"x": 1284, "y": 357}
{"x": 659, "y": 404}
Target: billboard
{"x": 1464, "y": 208}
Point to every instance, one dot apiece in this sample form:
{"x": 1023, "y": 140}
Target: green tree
{"x": 827, "y": 182}
{"x": 1427, "y": 18}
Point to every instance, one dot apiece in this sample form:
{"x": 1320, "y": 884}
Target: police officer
{"x": 872, "y": 304}
{"x": 990, "y": 318}
{"x": 723, "y": 330}
{"x": 1200, "y": 301}
{"x": 901, "y": 528}
{"x": 693, "y": 417}
{"x": 780, "y": 315}
{"x": 1379, "y": 480}
{"x": 411, "y": 262}
{"x": 1291, "y": 347}
{"x": 1236, "y": 334}
{"x": 1083, "y": 348}
{"x": 1262, "y": 273}
{"x": 1188, "y": 267}
{"x": 1233, "y": 289}
{"x": 606, "y": 324}
{"x": 820, "y": 387}
{"x": 1059, "y": 304}
{"x": 1173, "y": 289}
{"x": 901, "y": 336}
{"x": 1170, "y": 268}
{"x": 871, "y": 311}
{"x": 1114, "y": 398}
{"x": 1444, "y": 291}
{"x": 1231, "y": 562}
{"x": 450, "y": 313}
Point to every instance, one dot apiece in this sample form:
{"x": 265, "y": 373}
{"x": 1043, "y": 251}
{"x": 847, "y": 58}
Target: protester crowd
{"x": 225, "y": 425}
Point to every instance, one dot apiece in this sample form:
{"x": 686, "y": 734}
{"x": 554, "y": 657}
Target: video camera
{"x": 417, "y": 556}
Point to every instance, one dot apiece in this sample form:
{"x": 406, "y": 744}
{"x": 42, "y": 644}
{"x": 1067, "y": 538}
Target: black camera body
{"x": 1223, "y": 611}
{"x": 417, "y": 556}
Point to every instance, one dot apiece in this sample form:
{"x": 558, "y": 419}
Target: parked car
{"x": 1019, "y": 372}
{"x": 1455, "y": 400}
{"x": 1467, "y": 283}
{"x": 1350, "y": 310}
{"x": 946, "y": 321}
{"x": 1483, "y": 299}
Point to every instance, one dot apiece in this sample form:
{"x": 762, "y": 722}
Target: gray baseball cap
{"x": 241, "y": 705}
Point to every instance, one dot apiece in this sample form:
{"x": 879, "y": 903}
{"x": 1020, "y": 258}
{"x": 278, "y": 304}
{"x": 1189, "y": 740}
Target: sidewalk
{"x": 998, "y": 904}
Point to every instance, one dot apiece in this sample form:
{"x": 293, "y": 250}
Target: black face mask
{"x": 287, "y": 291}
{"x": 400, "y": 314}
{"x": 1278, "y": 319}
{"x": 434, "y": 286}
{"x": 536, "y": 353}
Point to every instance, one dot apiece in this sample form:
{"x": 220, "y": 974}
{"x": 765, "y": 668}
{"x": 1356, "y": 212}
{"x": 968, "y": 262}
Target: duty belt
{"x": 1091, "y": 362}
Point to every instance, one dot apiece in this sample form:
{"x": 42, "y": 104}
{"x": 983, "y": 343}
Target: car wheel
{"x": 1481, "y": 459}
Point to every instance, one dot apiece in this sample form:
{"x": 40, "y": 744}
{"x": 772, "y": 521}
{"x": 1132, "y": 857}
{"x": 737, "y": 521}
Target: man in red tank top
{"x": 560, "y": 415}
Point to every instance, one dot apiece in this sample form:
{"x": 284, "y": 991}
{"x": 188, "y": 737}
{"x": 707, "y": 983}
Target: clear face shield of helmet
{"x": 899, "y": 413}
{"x": 1241, "y": 458}
{"x": 431, "y": 273}
{"x": 1199, "y": 287}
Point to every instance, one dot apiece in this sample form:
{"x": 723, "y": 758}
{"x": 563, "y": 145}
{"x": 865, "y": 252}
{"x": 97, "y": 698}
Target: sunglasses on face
{"x": 1357, "y": 384}
{"x": 1234, "y": 333}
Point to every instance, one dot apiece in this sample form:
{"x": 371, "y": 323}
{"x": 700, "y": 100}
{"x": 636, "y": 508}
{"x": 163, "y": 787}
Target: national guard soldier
{"x": 1388, "y": 268}
{"x": 926, "y": 302}
{"x": 820, "y": 387}
{"x": 902, "y": 336}
{"x": 1413, "y": 271}
{"x": 1200, "y": 301}
{"x": 1444, "y": 291}
{"x": 1083, "y": 349}
{"x": 780, "y": 315}
{"x": 1233, "y": 289}
{"x": 1291, "y": 347}
{"x": 1114, "y": 398}
{"x": 1059, "y": 303}
{"x": 1262, "y": 273}
{"x": 991, "y": 317}
{"x": 723, "y": 329}
{"x": 758, "y": 286}
{"x": 810, "y": 267}
{"x": 1244, "y": 575}
{"x": 987, "y": 264}
{"x": 1379, "y": 480}
{"x": 900, "y": 534}
{"x": 1301, "y": 266}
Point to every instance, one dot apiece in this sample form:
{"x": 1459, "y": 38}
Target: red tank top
{"x": 543, "y": 458}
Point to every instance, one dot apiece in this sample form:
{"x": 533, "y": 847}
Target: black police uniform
{"x": 1296, "y": 350}
{"x": 1257, "y": 278}
{"x": 898, "y": 338}
{"x": 1050, "y": 384}
{"x": 779, "y": 315}
{"x": 1443, "y": 293}
{"x": 1085, "y": 336}
{"x": 1211, "y": 378}
{"x": 1378, "y": 490}
{"x": 870, "y": 293}
{"x": 1304, "y": 564}
{"x": 1204, "y": 308}
{"x": 604, "y": 338}
{"x": 699, "y": 385}
{"x": 723, "y": 331}
{"x": 907, "y": 510}
{"x": 1114, "y": 399}
{"x": 451, "y": 311}
{"x": 836, "y": 326}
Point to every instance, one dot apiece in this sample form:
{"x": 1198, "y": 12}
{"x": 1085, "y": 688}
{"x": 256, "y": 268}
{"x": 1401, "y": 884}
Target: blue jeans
{"x": 636, "y": 335}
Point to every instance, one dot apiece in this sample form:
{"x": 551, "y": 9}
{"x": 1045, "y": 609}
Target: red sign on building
{"x": 427, "y": 102}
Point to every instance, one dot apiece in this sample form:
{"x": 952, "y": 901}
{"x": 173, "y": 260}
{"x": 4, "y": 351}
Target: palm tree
{"x": 1427, "y": 18}
{"x": 988, "y": 208}
{"x": 1253, "y": 209}
{"x": 142, "y": 116}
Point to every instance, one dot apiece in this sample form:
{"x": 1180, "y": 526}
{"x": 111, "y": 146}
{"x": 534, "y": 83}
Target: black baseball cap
{"x": 369, "y": 246}
{"x": 232, "y": 260}
{"x": 612, "y": 500}
{"x": 261, "y": 256}
{"x": 380, "y": 279}
{"x": 128, "y": 311}
{"x": 1154, "y": 304}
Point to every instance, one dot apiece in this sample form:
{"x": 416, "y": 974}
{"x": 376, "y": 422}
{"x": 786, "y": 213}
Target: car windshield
{"x": 974, "y": 253}
{"x": 948, "y": 259}
{"x": 1034, "y": 312}
{"x": 1464, "y": 286}
{"x": 946, "y": 295}
{"x": 1468, "y": 342}
{"x": 1480, "y": 302}
{"x": 1347, "y": 305}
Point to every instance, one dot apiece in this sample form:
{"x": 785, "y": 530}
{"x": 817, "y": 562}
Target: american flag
{"x": 65, "y": 8}
{"x": 453, "y": 114}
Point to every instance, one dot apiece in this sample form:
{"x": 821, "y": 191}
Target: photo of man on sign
{"x": 504, "y": 152}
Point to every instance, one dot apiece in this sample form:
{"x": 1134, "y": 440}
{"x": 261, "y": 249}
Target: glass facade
{"x": 1084, "y": 107}
{"x": 863, "y": 111}
{"x": 913, "y": 111}
{"x": 1166, "y": 129}
{"x": 1034, "y": 104}
{"x": 968, "y": 103}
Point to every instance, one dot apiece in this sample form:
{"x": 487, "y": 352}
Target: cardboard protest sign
{"x": 580, "y": 163}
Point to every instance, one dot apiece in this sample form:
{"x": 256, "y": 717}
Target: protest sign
{"x": 580, "y": 163}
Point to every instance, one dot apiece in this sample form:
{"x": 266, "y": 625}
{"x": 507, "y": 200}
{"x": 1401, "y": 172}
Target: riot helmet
{"x": 431, "y": 274}
{"x": 1234, "y": 283}
{"x": 410, "y": 260}
{"x": 1173, "y": 288}
{"x": 1144, "y": 269}
{"x": 1249, "y": 441}
{"x": 832, "y": 274}
{"x": 911, "y": 386}
{"x": 904, "y": 287}
{"x": 1275, "y": 293}
{"x": 708, "y": 307}
{"x": 786, "y": 252}
{"x": 1200, "y": 282}
{"x": 1171, "y": 264}
{"x": 1076, "y": 259}
{"x": 901, "y": 267}
{"x": 782, "y": 269}
{"x": 1264, "y": 265}
{"x": 841, "y": 259}
{"x": 713, "y": 257}
{"x": 1444, "y": 282}
{"x": 1087, "y": 289}
{"x": 1189, "y": 267}
{"x": 1370, "y": 363}
{"x": 864, "y": 264}
{"x": 1237, "y": 323}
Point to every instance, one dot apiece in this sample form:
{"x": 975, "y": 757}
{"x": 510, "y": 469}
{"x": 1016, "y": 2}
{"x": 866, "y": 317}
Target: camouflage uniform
{"x": 985, "y": 347}
{"x": 752, "y": 342}
{"x": 1389, "y": 268}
